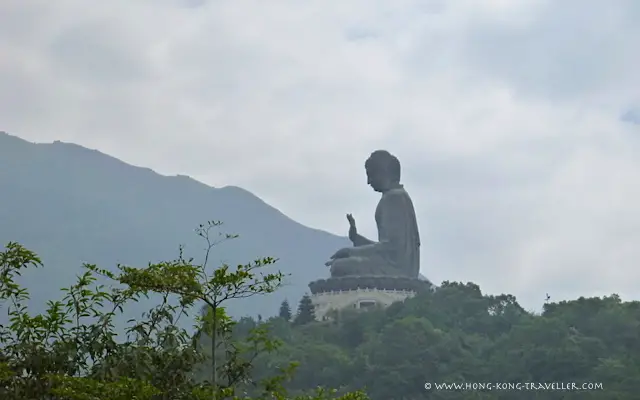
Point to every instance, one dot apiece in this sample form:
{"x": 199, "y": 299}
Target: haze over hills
{"x": 71, "y": 205}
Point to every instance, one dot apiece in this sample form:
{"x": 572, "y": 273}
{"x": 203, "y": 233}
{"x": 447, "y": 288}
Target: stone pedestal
{"x": 361, "y": 293}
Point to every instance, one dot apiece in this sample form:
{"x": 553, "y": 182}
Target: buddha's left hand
{"x": 342, "y": 253}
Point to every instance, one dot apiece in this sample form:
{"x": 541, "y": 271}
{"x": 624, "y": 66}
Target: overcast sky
{"x": 517, "y": 122}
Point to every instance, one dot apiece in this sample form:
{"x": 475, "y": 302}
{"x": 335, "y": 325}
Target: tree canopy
{"x": 456, "y": 334}
{"x": 451, "y": 334}
{"x": 73, "y": 351}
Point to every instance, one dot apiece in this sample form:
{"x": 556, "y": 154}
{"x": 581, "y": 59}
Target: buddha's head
{"x": 383, "y": 171}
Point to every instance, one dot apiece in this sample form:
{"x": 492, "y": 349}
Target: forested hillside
{"x": 451, "y": 334}
{"x": 456, "y": 334}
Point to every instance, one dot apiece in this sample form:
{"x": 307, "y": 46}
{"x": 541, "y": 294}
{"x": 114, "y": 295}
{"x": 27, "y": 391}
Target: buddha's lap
{"x": 353, "y": 264}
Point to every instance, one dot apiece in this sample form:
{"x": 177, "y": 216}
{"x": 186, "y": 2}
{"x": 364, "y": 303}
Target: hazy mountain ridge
{"x": 71, "y": 205}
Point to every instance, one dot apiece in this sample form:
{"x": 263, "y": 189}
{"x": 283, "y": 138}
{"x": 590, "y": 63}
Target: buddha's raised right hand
{"x": 353, "y": 231}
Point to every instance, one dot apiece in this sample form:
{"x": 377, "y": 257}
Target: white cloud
{"x": 505, "y": 115}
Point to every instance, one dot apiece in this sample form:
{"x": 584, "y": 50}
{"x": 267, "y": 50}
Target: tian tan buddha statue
{"x": 397, "y": 251}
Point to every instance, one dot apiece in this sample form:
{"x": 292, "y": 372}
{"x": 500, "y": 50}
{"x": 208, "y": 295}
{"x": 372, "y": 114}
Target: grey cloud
{"x": 569, "y": 49}
{"x": 22, "y": 95}
{"x": 93, "y": 52}
{"x": 506, "y": 127}
{"x": 361, "y": 33}
{"x": 631, "y": 116}
{"x": 194, "y": 3}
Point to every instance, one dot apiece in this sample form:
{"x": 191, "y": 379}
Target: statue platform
{"x": 362, "y": 292}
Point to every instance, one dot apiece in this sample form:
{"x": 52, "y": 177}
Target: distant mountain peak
{"x": 71, "y": 204}
{"x": 4, "y": 136}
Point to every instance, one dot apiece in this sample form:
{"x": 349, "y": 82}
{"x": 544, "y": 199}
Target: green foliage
{"x": 285, "y": 311}
{"x": 73, "y": 352}
{"x": 457, "y": 334}
{"x": 452, "y": 334}
{"x": 306, "y": 311}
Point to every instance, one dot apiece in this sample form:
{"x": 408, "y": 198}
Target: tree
{"x": 306, "y": 311}
{"x": 191, "y": 282}
{"x": 285, "y": 311}
{"x": 71, "y": 352}
{"x": 455, "y": 333}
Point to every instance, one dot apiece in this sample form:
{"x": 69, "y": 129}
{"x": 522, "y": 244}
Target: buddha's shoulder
{"x": 396, "y": 193}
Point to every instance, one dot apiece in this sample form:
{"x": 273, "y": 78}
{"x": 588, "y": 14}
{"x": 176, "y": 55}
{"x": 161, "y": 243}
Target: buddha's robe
{"x": 397, "y": 252}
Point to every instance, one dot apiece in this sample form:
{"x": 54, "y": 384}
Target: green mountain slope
{"x": 72, "y": 205}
